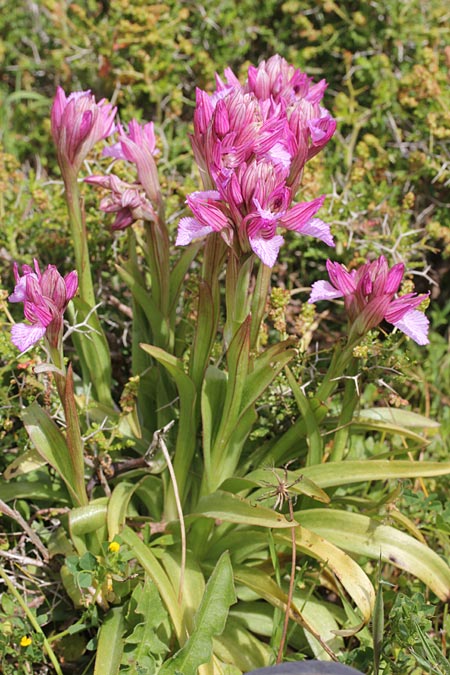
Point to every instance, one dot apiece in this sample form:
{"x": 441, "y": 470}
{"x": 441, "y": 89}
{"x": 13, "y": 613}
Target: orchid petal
{"x": 415, "y": 325}
{"x": 267, "y": 249}
{"x": 323, "y": 290}
{"x": 190, "y": 229}
{"x": 24, "y": 336}
{"x": 318, "y": 229}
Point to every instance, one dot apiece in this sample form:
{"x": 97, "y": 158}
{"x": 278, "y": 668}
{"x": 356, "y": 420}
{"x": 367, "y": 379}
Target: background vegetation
{"x": 387, "y": 173}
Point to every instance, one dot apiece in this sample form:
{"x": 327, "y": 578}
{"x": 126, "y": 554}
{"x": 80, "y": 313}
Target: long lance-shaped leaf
{"x": 51, "y": 445}
{"x": 351, "y": 576}
{"x": 186, "y": 438}
{"x": 153, "y": 568}
{"x": 361, "y": 535}
{"x": 110, "y": 643}
{"x": 314, "y": 438}
{"x": 262, "y": 584}
{"x": 234, "y": 509}
{"x": 333, "y": 474}
{"x": 265, "y": 369}
{"x": 205, "y": 333}
{"x": 143, "y": 298}
{"x": 209, "y": 621}
{"x": 213, "y": 395}
{"x": 238, "y": 363}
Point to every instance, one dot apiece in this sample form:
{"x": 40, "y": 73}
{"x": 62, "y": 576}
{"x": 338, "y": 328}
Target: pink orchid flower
{"x": 369, "y": 298}
{"x": 126, "y": 200}
{"x": 45, "y": 297}
{"x": 78, "y": 122}
{"x": 251, "y": 143}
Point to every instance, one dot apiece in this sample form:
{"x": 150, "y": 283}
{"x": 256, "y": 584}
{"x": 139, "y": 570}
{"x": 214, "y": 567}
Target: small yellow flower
{"x": 25, "y": 641}
{"x": 114, "y": 547}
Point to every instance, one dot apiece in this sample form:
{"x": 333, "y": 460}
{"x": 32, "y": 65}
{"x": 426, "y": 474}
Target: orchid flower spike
{"x": 45, "y": 297}
{"x": 77, "y": 124}
{"x": 251, "y": 142}
{"x": 369, "y": 294}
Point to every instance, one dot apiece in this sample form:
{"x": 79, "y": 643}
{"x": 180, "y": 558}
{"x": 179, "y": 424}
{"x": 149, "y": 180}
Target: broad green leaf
{"x": 332, "y": 474}
{"x": 87, "y": 525}
{"x": 30, "y": 460}
{"x": 321, "y": 616}
{"x": 118, "y": 506}
{"x": 263, "y": 585}
{"x": 398, "y": 417}
{"x": 193, "y": 584}
{"x": 153, "y": 568}
{"x": 110, "y": 643}
{"x": 238, "y": 645}
{"x": 348, "y": 572}
{"x": 233, "y": 509}
{"x": 209, "y": 621}
{"x": 361, "y": 535}
{"x": 51, "y": 445}
{"x": 44, "y": 490}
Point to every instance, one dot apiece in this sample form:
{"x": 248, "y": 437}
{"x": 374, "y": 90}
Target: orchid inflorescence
{"x": 251, "y": 142}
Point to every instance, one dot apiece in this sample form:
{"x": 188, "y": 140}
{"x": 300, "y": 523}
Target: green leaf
{"x": 153, "y": 568}
{"x": 330, "y": 553}
{"x": 233, "y": 509}
{"x": 51, "y": 445}
{"x": 209, "y": 621}
{"x": 212, "y": 399}
{"x": 186, "y": 437}
{"x": 364, "y": 536}
{"x": 118, "y": 506}
{"x": 238, "y": 363}
{"x": 265, "y": 368}
{"x": 238, "y": 645}
{"x": 110, "y": 643}
{"x": 332, "y": 474}
{"x": 402, "y": 422}
{"x": 143, "y": 648}
{"x": 313, "y": 435}
{"x": 263, "y": 585}
{"x": 87, "y": 525}
{"x": 398, "y": 417}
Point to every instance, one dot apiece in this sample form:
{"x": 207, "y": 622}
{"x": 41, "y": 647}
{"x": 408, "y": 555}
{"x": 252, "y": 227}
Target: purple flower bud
{"x": 77, "y": 124}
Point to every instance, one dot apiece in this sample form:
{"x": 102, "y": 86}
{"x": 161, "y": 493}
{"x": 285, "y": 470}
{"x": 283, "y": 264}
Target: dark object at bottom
{"x": 307, "y": 668}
